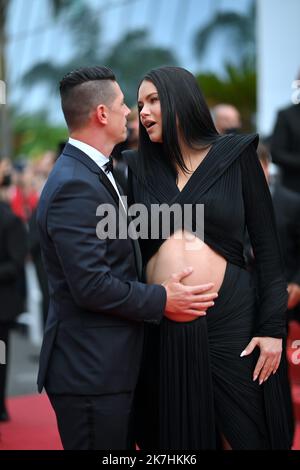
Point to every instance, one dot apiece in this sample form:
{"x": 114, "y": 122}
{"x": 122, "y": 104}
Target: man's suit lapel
{"x": 106, "y": 182}
{"x": 135, "y": 243}
{"x": 74, "y": 152}
{"x": 82, "y": 157}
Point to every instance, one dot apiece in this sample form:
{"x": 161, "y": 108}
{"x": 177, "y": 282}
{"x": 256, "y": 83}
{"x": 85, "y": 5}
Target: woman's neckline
{"x": 196, "y": 169}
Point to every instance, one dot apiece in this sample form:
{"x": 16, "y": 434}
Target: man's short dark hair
{"x": 82, "y": 90}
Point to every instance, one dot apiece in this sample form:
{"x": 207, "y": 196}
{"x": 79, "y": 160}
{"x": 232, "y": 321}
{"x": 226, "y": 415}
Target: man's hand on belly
{"x": 187, "y": 300}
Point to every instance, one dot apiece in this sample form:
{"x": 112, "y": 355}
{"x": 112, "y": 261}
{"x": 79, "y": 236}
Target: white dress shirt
{"x": 99, "y": 159}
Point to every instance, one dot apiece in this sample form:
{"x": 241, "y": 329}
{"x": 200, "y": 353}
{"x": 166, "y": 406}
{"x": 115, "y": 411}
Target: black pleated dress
{"x": 194, "y": 386}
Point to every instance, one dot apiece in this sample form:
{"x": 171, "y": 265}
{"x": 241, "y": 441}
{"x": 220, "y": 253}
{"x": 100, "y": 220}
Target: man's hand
{"x": 189, "y": 300}
{"x": 294, "y": 295}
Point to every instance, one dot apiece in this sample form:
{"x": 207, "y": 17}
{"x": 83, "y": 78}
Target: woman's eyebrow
{"x": 148, "y": 96}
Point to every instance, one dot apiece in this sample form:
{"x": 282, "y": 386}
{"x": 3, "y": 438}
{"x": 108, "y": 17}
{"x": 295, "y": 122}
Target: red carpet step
{"x": 32, "y": 425}
{"x": 293, "y": 352}
{"x": 296, "y": 401}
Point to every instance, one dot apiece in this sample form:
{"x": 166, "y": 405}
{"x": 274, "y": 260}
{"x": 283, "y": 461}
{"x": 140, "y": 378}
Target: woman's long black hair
{"x": 181, "y": 102}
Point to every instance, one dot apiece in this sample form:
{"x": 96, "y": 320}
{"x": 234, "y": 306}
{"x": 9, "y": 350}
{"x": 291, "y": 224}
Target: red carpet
{"x": 293, "y": 355}
{"x": 32, "y": 425}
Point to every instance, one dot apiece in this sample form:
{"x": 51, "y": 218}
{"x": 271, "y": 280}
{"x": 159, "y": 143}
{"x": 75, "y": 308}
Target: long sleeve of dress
{"x": 260, "y": 221}
{"x": 296, "y": 274}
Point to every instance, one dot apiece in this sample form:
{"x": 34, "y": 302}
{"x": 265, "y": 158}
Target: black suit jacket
{"x": 94, "y": 332}
{"x": 287, "y": 212}
{"x": 285, "y": 146}
{"x": 13, "y": 249}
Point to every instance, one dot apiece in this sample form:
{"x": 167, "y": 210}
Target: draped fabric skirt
{"x": 194, "y": 387}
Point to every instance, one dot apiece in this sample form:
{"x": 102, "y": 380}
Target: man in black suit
{"x": 93, "y": 338}
{"x": 285, "y": 146}
{"x": 287, "y": 213}
{"x": 13, "y": 249}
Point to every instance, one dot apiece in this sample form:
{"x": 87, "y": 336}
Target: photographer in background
{"x": 287, "y": 213}
{"x": 13, "y": 250}
{"x": 286, "y": 205}
{"x": 227, "y": 118}
{"x": 285, "y": 145}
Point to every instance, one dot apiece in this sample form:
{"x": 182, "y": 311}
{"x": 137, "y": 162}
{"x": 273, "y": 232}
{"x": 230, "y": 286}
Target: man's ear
{"x": 102, "y": 113}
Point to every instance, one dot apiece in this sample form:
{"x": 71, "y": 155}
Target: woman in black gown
{"x": 222, "y": 375}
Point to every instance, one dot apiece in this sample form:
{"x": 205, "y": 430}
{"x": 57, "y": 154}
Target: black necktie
{"x": 108, "y": 167}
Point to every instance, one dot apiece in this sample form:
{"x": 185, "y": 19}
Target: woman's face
{"x": 150, "y": 111}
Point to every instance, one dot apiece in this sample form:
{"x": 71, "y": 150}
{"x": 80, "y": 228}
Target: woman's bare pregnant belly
{"x": 176, "y": 254}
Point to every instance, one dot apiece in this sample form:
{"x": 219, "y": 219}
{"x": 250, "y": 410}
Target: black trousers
{"x": 4, "y": 335}
{"x": 97, "y": 422}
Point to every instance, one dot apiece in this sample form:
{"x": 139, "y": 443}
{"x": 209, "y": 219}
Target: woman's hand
{"x": 269, "y": 358}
